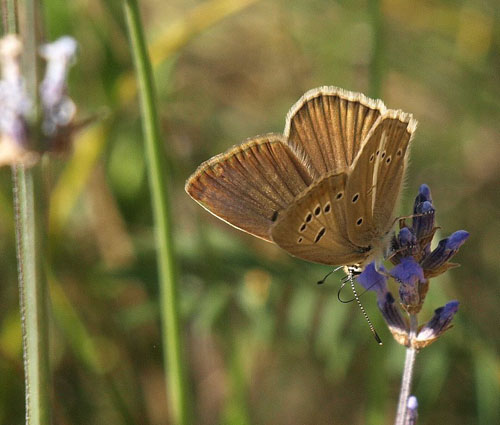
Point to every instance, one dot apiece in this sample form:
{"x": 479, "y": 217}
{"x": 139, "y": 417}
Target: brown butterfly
{"x": 326, "y": 189}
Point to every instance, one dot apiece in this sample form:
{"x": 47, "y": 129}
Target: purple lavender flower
{"x": 409, "y": 275}
{"x": 439, "y": 323}
{"x": 437, "y": 261}
{"x": 371, "y": 279}
{"x": 414, "y": 264}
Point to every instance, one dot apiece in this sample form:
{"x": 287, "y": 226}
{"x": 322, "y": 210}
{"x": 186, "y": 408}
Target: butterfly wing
{"x": 248, "y": 185}
{"x": 390, "y": 173}
{"x": 313, "y": 226}
{"x": 329, "y": 124}
{"x": 374, "y": 183}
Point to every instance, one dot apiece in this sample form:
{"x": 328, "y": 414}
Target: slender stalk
{"x": 33, "y": 294}
{"x": 30, "y": 239}
{"x": 377, "y": 59}
{"x": 406, "y": 380}
{"x": 9, "y": 16}
{"x": 172, "y": 342}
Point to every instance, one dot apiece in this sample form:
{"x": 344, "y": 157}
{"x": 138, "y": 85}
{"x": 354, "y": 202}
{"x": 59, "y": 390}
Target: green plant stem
{"x": 30, "y": 240}
{"x": 172, "y": 342}
{"x": 9, "y": 17}
{"x": 406, "y": 380}
{"x": 377, "y": 59}
{"x": 33, "y": 294}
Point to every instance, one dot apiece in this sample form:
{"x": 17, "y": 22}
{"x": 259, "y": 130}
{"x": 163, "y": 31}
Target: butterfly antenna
{"x": 350, "y": 278}
{"x": 320, "y": 282}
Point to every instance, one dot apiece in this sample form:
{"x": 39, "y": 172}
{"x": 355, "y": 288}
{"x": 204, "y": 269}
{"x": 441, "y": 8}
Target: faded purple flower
{"x": 412, "y": 412}
{"x": 59, "y": 109}
{"x": 439, "y": 323}
{"x": 14, "y": 101}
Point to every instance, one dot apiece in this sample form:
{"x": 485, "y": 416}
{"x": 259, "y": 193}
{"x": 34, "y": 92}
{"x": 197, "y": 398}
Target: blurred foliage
{"x": 265, "y": 344}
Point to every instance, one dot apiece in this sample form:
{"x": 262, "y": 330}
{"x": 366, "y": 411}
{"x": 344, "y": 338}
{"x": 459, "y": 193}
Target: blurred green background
{"x": 264, "y": 343}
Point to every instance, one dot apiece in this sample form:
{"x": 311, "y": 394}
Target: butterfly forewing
{"x": 248, "y": 185}
{"x": 374, "y": 183}
{"x": 329, "y": 124}
{"x": 391, "y": 170}
{"x": 313, "y": 226}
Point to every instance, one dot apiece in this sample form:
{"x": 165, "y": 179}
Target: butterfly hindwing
{"x": 248, "y": 185}
{"x": 313, "y": 226}
{"x": 329, "y": 124}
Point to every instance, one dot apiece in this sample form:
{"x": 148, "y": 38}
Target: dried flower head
{"x": 58, "y": 108}
{"x": 17, "y": 123}
{"x": 15, "y": 104}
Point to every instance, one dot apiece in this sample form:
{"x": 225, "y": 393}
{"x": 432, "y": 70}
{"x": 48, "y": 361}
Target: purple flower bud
{"x": 424, "y": 191}
{"x": 392, "y": 315}
{"x": 445, "y": 250}
{"x": 439, "y": 323}
{"x": 412, "y": 412}
{"x": 408, "y": 273}
{"x": 406, "y": 237}
{"x": 424, "y": 194}
{"x": 423, "y": 221}
{"x": 456, "y": 240}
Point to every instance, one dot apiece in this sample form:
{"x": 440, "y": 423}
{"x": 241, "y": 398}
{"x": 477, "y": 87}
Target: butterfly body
{"x": 325, "y": 190}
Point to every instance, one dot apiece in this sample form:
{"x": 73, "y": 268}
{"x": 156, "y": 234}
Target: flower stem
{"x": 29, "y": 206}
{"x": 377, "y": 56}
{"x": 411, "y": 354}
{"x": 172, "y": 342}
{"x": 33, "y": 294}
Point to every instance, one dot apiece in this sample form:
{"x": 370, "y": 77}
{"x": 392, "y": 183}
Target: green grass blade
{"x": 172, "y": 343}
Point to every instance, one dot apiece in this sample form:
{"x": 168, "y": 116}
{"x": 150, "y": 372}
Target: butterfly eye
{"x": 372, "y": 157}
{"x": 400, "y": 152}
{"x": 360, "y": 221}
{"x": 303, "y": 227}
{"x": 327, "y": 208}
{"x": 317, "y": 210}
{"x": 355, "y": 198}
{"x": 388, "y": 160}
{"x": 308, "y": 218}
{"x": 299, "y": 240}
{"x": 339, "y": 195}
{"x": 383, "y": 154}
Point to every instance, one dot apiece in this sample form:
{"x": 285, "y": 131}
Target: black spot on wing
{"x": 319, "y": 235}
